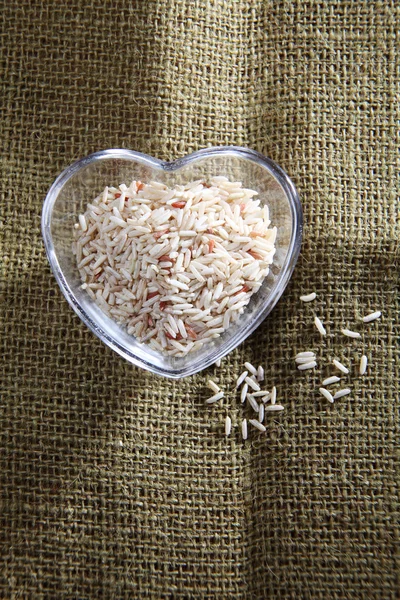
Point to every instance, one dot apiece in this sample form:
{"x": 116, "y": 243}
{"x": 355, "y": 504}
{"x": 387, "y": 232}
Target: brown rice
{"x": 176, "y": 266}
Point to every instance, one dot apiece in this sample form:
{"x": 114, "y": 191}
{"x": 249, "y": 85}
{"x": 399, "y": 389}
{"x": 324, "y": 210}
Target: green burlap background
{"x": 310, "y": 510}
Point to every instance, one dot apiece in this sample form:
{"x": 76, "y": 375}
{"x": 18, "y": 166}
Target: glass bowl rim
{"x": 292, "y": 255}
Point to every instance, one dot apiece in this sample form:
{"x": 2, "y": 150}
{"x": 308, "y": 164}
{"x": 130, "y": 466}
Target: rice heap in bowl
{"x": 176, "y": 265}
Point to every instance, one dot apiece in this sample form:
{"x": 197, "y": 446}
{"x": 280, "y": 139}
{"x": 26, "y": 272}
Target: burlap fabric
{"x": 115, "y": 483}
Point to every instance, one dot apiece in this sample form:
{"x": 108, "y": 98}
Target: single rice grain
{"x": 330, "y": 380}
{"x": 342, "y": 393}
{"x": 340, "y": 366}
{"x": 253, "y": 403}
{"x": 243, "y": 392}
{"x": 308, "y": 297}
{"x": 82, "y": 222}
{"x": 244, "y": 429}
{"x": 253, "y": 384}
{"x": 363, "y": 364}
{"x": 305, "y": 355}
{"x": 273, "y": 395}
{"x": 351, "y": 334}
{"x": 326, "y": 394}
{"x": 319, "y": 326}
{"x": 213, "y": 386}
{"x": 228, "y": 425}
{"x": 260, "y": 394}
{"x": 372, "y": 316}
{"x": 274, "y": 407}
{"x": 306, "y": 366}
{"x": 241, "y": 378}
{"x": 215, "y": 398}
{"x": 251, "y": 368}
{"x": 304, "y": 360}
{"x": 257, "y": 425}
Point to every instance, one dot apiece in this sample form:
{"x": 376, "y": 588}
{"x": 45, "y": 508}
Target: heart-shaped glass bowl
{"x": 85, "y": 179}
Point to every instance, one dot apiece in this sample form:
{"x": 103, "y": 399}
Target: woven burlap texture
{"x": 115, "y": 483}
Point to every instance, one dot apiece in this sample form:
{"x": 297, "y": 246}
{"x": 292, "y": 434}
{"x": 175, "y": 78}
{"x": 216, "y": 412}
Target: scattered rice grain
{"x": 340, "y": 366}
{"x": 257, "y": 425}
{"x": 274, "y": 407}
{"x": 351, "y": 334}
{"x": 253, "y": 403}
{"x": 363, "y": 364}
{"x": 251, "y": 368}
{"x": 372, "y": 316}
{"x": 243, "y": 393}
{"x": 330, "y": 380}
{"x": 308, "y": 297}
{"x": 326, "y": 394}
{"x": 305, "y": 355}
{"x": 273, "y": 395}
{"x": 244, "y": 429}
{"x": 253, "y": 384}
{"x": 215, "y": 398}
{"x": 213, "y": 386}
{"x": 306, "y": 366}
{"x": 342, "y": 393}
{"x": 304, "y": 360}
{"x": 241, "y": 378}
{"x": 319, "y": 326}
{"x": 260, "y": 394}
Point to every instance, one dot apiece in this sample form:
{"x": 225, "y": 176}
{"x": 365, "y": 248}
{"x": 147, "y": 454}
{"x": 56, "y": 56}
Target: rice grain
{"x": 253, "y": 384}
{"x": 243, "y": 392}
{"x": 306, "y": 366}
{"x": 330, "y": 380}
{"x": 305, "y": 355}
{"x": 260, "y": 394}
{"x": 82, "y": 222}
{"x": 372, "y": 316}
{"x": 253, "y": 403}
{"x": 213, "y": 386}
{"x": 308, "y": 297}
{"x": 273, "y": 396}
{"x": 244, "y": 429}
{"x": 251, "y": 368}
{"x": 215, "y": 398}
{"x": 351, "y": 334}
{"x": 326, "y": 394}
{"x": 274, "y": 407}
{"x": 319, "y": 326}
{"x": 340, "y": 366}
{"x": 257, "y": 425}
{"x": 241, "y": 378}
{"x": 304, "y": 360}
{"x": 363, "y": 364}
{"x": 341, "y": 393}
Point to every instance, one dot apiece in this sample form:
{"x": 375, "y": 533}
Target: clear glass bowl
{"x": 85, "y": 179}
